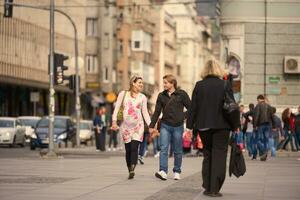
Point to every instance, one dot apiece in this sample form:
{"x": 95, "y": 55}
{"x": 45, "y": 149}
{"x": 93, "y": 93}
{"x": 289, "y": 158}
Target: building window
{"x": 105, "y": 74}
{"x": 106, "y": 40}
{"x": 91, "y": 26}
{"x": 91, "y": 64}
{"x": 137, "y": 44}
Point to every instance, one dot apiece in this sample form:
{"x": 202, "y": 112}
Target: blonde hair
{"x": 212, "y": 67}
{"x": 171, "y": 79}
{"x": 134, "y": 79}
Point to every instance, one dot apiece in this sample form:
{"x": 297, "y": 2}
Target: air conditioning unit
{"x": 291, "y": 65}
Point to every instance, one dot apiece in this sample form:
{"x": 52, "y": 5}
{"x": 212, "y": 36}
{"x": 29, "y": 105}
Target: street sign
{"x": 34, "y": 96}
{"x": 274, "y": 79}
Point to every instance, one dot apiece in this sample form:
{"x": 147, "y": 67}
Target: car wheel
{"x": 14, "y": 141}
{"x": 32, "y": 147}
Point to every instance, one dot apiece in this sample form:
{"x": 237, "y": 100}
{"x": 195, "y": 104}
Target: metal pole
{"x": 265, "y": 50}
{"x": 77, "y": 87}
{"x": 51, "y": 152}
{"x": 77, "y": 91}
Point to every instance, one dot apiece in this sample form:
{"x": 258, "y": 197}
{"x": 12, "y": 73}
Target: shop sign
{"x": 92, "y": 85}
{"x": 111, "y": 97}
{"x": 274, "y": 79}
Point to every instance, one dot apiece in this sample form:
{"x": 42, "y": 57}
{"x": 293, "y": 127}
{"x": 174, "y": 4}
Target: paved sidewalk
{"x": 88, "y": 177}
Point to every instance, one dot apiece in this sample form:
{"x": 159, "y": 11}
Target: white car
{"x": 11, "y": 131}
{"x": 86, "y": 130}
{"x": 29, "y": 122}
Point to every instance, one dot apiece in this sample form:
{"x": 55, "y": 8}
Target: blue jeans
{"x": 250, "y": 142}
{"x": 166, "y": 133}
{"x": 143, "y": 145}
{"x": 272, "y": 146}
{"x": 240, "y": 137}
{"x": 264, "y": 131}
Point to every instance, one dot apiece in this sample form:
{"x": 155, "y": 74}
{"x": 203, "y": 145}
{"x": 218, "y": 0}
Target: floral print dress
{"x": 134, "y": 113}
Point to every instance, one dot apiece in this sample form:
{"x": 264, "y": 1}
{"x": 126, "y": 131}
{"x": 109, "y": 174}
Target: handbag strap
{"x": 167, "y": 103}
{"x": 122, "y": 104}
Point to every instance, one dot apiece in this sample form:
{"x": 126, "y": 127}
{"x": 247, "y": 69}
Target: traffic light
{"x": 72, "y": 82}
{"x": 59, "y": 68}
{"x": 8, "y": 8}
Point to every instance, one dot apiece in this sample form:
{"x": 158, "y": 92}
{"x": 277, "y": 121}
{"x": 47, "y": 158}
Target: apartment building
{"x": 24, "y": 50}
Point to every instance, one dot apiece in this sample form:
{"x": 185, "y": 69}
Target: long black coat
{"x": 206, "y": 110}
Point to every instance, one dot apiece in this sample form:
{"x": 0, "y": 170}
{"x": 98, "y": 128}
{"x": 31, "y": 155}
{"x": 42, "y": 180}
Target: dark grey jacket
{"x": 263, "y": 114}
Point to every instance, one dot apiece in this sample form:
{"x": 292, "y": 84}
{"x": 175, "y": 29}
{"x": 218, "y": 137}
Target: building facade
{"x": 259, "y": 37}
{"x": 24, "y": 50}
{"x": 191, "y": 48}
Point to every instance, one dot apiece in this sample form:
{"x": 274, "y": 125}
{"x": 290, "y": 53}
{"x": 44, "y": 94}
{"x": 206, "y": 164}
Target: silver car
{"x": 86, "y": 131}
{"x": 11, "y": 131}
{"x": 29, "y": 122}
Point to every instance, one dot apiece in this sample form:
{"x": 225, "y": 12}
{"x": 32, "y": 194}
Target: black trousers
{"x": 102, "y": 139}
{"x": 113, "y": 138}
{"x": 215, "y": 145}
{"x": 97, "y": 140}
{"x": 132, "y": 152}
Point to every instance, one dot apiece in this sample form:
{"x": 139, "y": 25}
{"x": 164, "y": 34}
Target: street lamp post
{"x": 51, "y": 152}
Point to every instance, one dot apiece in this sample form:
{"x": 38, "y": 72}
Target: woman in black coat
{"x": 206, "y": 115}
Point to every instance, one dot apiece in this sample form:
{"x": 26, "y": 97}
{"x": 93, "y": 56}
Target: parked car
{"x": 29, "y": 122}
{"x": 86, "y": 131}
{"x": 64, "y": 130}
{"x": 11, "y": 132}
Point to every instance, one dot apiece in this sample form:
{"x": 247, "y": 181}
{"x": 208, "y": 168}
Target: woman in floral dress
{"x": 134, "y": 113}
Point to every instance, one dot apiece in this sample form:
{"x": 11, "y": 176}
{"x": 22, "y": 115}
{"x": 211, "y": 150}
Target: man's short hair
{"x": 171, "y": 79}
{"x": 260, "y": 97}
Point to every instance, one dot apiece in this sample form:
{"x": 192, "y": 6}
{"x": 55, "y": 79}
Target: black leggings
{"x": 132, "y": 152}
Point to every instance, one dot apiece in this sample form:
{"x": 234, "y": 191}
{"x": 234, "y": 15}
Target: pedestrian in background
{"x": 249, "y": 132}
{"x": 143, "y": 149}
{"x": 171, "y": 102}
{"x": 113, "y": 140}
{"x": 297, "y": 126}
{"x": 97, "y": 128}
{"x": 277, "y": 133}
{"x": 103, "y": 129}
{"x": 206, "y": 116}
{"x": 132, "y": 127}
{"x": 288, "y": 119}
{"x": 263, "y": 122}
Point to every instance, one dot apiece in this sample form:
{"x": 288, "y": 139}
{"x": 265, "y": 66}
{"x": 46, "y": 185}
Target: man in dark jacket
{"x": 263, "y": 122}
{"x": 171, "y": 103}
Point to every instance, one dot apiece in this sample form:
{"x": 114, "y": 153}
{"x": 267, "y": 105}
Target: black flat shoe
{"x": 131, "y": 175}
{"x": 206, "y": 192}
{"x": 215, "y": 194}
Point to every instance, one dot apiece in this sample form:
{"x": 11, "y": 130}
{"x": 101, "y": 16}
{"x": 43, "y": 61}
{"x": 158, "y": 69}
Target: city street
{"x": 86, "y": 174}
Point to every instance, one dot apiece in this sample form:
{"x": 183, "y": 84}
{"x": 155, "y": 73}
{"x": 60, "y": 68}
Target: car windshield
{"x": 6, "y": 124}
{"x": 29, "y": 122}
{"x": 58, "y": 123}
{"x": 85, "y": 126}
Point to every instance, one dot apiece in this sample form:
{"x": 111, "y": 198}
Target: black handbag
{"x": 231, "y": 109}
